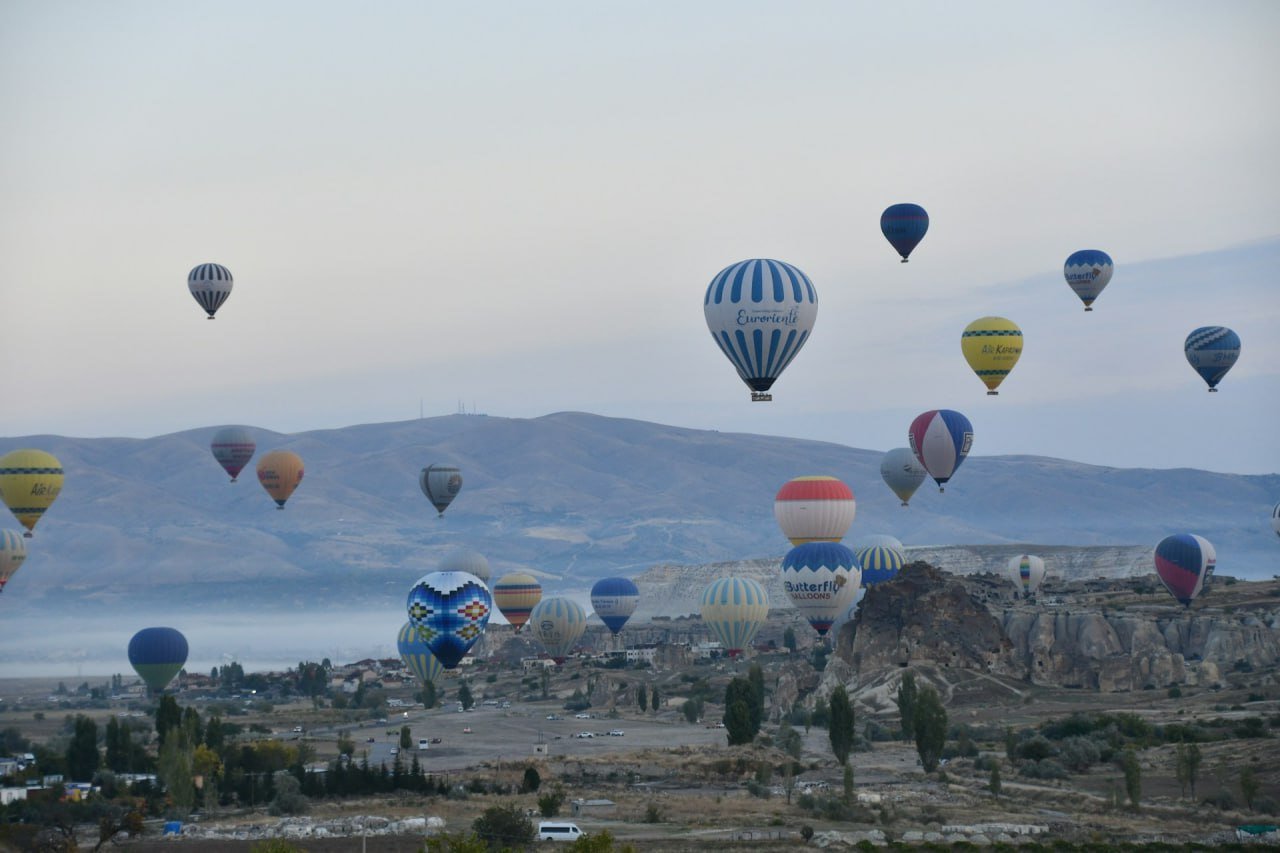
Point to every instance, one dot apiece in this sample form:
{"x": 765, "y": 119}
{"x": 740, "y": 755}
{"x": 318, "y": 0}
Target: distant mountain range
{"x": 570, "y": 497}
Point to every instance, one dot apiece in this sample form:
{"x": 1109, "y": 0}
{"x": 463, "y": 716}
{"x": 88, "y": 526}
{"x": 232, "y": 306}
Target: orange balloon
{"x": 280, "y": 472}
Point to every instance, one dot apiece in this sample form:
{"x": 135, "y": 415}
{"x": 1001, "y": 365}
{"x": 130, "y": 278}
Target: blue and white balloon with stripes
{"x": 760, "y": 313}
{"x": 734, "y": 608}
{"x": 1211, "y": 351}
{"x": 210, "y": 284}
{"x": 1087, "y": 272}
{"x": 614, "y": 600}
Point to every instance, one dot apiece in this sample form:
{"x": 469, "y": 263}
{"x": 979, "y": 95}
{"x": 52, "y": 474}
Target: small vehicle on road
{"x": 582, "y": 716}
{"x": 466, "y": 730}
{"x": 584, "y": 734}
{"x": 616, "y": 733}
{"x": 558, "y": 830}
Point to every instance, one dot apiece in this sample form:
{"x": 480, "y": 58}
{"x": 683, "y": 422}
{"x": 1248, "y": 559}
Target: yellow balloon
{"x": 280, "y": 472}
{"x": 29, "y": 482}
{"x": 992, "y": 346}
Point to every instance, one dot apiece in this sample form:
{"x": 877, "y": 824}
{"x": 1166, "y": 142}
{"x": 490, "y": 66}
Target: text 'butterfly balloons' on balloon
{"x": 821, "y": 579}
{"x": 450, "y": 611}
{"x": 1087, "y": 273}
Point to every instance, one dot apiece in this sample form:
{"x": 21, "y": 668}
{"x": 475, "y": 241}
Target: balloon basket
{"x": 761, "y": 397}
{"x": 1213, "y": 390}
{"x": 1088, "y": 307}
{"x": 993, "y": 393}
{"x": 904, "y": 503}
{"x": 210, "y": 317}
{"x": 903, "y": 261}
{"x": 27, "y": 535}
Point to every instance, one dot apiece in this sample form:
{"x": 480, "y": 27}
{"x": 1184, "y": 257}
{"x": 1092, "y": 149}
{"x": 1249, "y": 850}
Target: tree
{"x": 428, "y": 695}
{"x": 848, "y": 784}
{"x": 1193, "y": 766}
{"x": 168, "y": 717}
{"x": 119, "y": 746}
{"x": 464, "y": 696}
{"x": 654, "y": 699}
{"x": 642, "y": 699}
{"x": 755, "y": 675}
{"x": 789, "y": 740}
{"x": 789, "y": 639}
{"x": 907, "y": 693}
{"x": 1132, "y": 778}
{"x": 549, "y": 803}
{"x": 929, "y": 721}
{"x": 692, "y": 710}
{"x": 840, "y": 725}
{"x": 1181, "y": 768}
{"x": 174, "y": 769}
{"x": 289, "y": 799}
{"x": 739, "y": 700}
{"x": 504, "y": 827}
{"x": 406, "y": 738}
{"x": 82, "y": 752}
{"x": 993, "y": 784}
{"x": 1248, "y": 786}
{"x": 532, "y": 781}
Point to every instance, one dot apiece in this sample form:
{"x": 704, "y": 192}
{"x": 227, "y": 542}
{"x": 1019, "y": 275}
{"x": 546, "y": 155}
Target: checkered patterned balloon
{"x": 449, "y": 610}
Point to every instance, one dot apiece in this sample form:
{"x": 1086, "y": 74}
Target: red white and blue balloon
{"x": 450, "y": 611}
{"x": 941, "y": 439}
{"x": 822, "y": 580}
{"x": 1211, "y": 351}
{"x": 1183, "y": 563}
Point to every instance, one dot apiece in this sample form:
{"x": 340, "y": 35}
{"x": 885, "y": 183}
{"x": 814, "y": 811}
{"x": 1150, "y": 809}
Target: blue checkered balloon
{"x": 450, "y": 611}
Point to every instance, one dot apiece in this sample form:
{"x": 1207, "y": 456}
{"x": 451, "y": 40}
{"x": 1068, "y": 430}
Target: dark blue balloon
{"x": 614, "y": 600}
{"x": 904, "y": 226}
{"x": 1211, "y": 351}
{"x": 157, "y": 654}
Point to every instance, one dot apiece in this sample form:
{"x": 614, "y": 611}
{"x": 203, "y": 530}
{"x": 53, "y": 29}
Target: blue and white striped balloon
{"x": 1087, "y": 272}
{"x": 760, "y": 313}
{"x": 210, "y": 284}
{"x": 734, "y": 609}
{"x": 1211, "y": 351}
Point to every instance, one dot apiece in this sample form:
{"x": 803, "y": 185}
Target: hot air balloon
{"x": 516, "y": 595}
{"x": 30, "y": 481}
{"x": 880, "y": 562}
{"x": 157, "y": 655}
{"x": 210, "y": 284}
{"x": 471, "y": 562}
{"x": 760, "y": 313}
{"x": 902, "y": 472}
{"x": 1087, "y": 272}
{"x": 822, "y": 579}
{"x": 233, "y": 447}
{"x": 558, "y": 623}
{"x": 940, "y": 439}
{"x": 441, "y": 484}
{"x": 1275, "y": 519}
{"x": 1183, "y": 563}
{"x": 1027, "y": 573}
{"x": 280, "y": 472}
{"x": 614, "y": 600}
{"x": 416, "y": 656}
{"x": 12, "y": 552}
{"x": 814, "y": 509}
{"x": 734, "y": 609}
{"x": 450, "y": 611}
{"x": 992, "y": 346}
{"x": 1211, "y": 351}
{"x": 904, "y": 226}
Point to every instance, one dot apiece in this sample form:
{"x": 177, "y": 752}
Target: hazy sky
{"x": 520, "y": 205}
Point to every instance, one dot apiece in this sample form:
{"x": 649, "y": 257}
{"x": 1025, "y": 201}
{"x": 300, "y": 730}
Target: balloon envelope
{"x": 416, "y": 656}
{"x": 157, "y": 655}
{"x": 1183, "y": 563}
{"x": 280, "y": 472}
{"x": 941, "y": 439}
{"x": 760, "y": 313}
{"x": 992, "y": 346}
{"x": 904, "y": 226}
{"x": 614, "y": 600}
{"x": 233, "y": 447}
{"x": 516, "y": 595}
{"x": 450, "y": 611}
{"x": 901, "y": 471}
{"x": 814, "y": 509}
{"x": 821, "y": 579}
{"x": 30, "y": 481}
{"x": 1087, "y": 272}
{"x": 1211, "y": 351}
{"x": 734, "y": 609}
{"x": 1027, "y": 573}
{"x": 210, "y": 285}
{"x": 464, "y": 560}
{"x": 441, "y": 484}
{"x": 880, "y": 563}
{"x": 12, "y": 552}
{"x": 558, "y": 623}
{"x": 1275, "y": 519}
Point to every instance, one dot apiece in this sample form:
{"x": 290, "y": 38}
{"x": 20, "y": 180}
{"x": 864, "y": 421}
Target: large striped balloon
{"x": 821, "y": 579}
{"x": 614, "y": 600}
{"x": 879, "y": 563}
{"x": 465, "y": 560}
{"x": 515, "y": 596}
{"x": 901, "y": 471}
{"x": 558, "y": 623}
{"x": 157, "y": 655}
{"x": 1087, "y": 272}
{"x": 30, "y": 481}
{"x": 1183, "y": 562}
{"x": 1027, "y": 573}
{"x": 760, "y": 313}
{"x": 416, "y": 656}
{"x": 1211, "y": 351}
{"x": 814, "y": 509}
{"x": 734, "y": 609}
{"x": 233, "y": 447}
{"x": 904, "y": 226}
{"x": 450, "y": 611}
{"x": 940, "y": 439}
{"x": 12, "y": 553}
{"x": 210, "y": 285}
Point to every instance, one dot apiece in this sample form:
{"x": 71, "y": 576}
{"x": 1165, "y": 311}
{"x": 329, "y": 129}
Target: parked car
{"x": 616, "y": 733}
{"x": 558, "y": 830}
{"x": 435, "y": 740}
{"x": 554, "y": 717}
{"x": 423, "y": 743}
{"x": 395, "y": 750}
{"x": 584, "y": 734}
{"x": 466, "y": 730}
{"x": 583, "y": 716}
{"x": 297, "y": 730}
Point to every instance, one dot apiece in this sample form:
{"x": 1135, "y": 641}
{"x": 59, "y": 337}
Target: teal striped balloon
{"x": 558, "y": 623}
{"x": 734, "y": 609}
{"x": 416, "y": 656}
{"x": 880, "y": 563}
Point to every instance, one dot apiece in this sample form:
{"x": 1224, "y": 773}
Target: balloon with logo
{"x": 1027, "y": 573}
{"x": 880, "y": 557}
{"x": 516, "y": 595}
{"x": 1211, "y": 351}
{"x": 441, "y": 484}
{"x": 940, "y": 440}
{"x": 233, "y": 447}
{"x": 210, "y": 285}
{"x": 614, "y": 600}
{"x": 13, "y": 551}
{"x": 558, "y": 623}
{"x": 416, "y": 656}
{"x": 902, "y": 473}
{"x": 734, "y": 608}
{"x": 450, "y": 611}
{"x": 1087, "y": 272}
{"x": 30, "y": 481}
{"x": 821, "y": 579}
{"x": 992, "y": 346}
{"x": 814, "y": 509}
{"x": 157, "y": 655}
{"x": 280, "y": 472}
{"x": 760, "y": 313}
{"x": 1183, "y": 563}
{"x": 904, "y": 226}
{"x": 465, "y": 560}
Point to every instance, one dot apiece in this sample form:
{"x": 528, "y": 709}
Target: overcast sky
{"x": 519, "y": 205}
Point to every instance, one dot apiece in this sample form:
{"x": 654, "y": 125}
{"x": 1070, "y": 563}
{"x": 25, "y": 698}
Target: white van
{"x": 557, "y": 830}
{"x": 423, "y": 743}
